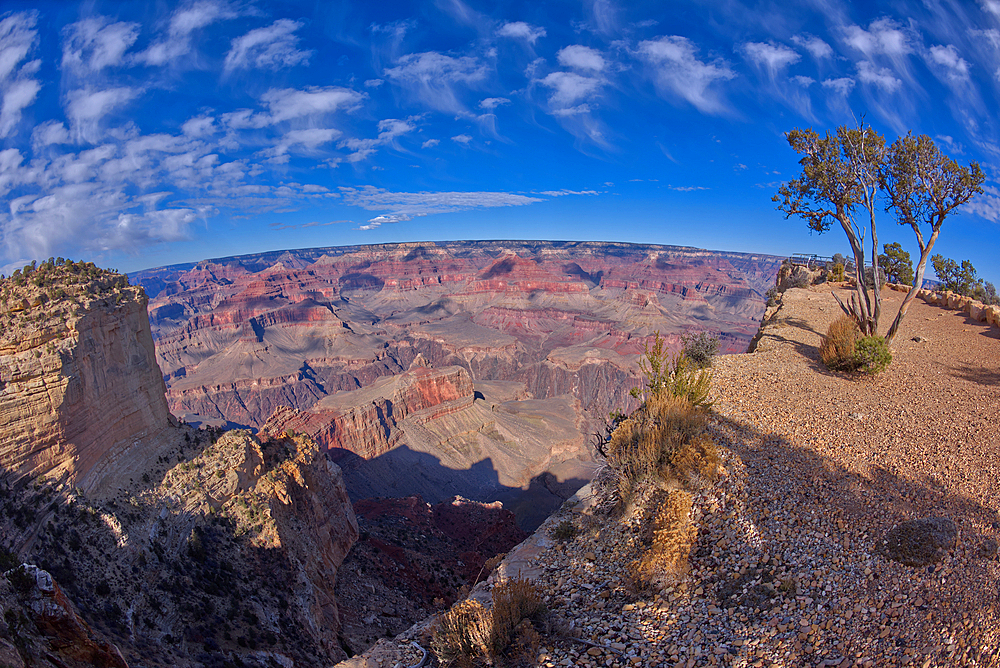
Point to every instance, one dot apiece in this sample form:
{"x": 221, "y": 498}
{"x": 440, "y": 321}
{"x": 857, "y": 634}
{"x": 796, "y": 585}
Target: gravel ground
{"x": 818, "y": 468}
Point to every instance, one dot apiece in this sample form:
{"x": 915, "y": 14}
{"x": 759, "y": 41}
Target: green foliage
{"x": 896, "y": 264}
{"x": 843, "y": 175}
{"x": 959, "y": 279}
{"x": 700, "y": 348}
{"x": 872, "y": 354}
{"x": 675, "y": 376}
{"x": 837, "y": 274}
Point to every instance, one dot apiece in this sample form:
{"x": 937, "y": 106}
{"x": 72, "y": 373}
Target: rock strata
{"x": 80, "y": 388}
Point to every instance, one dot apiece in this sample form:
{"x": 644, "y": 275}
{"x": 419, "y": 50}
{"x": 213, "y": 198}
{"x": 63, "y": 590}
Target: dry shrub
{"x": 837, "y": 348}
{"x": 673, "y": 537}
{"x": 648, "y": 442}
{"x": 697, "y": 461}
{"x": 462, "y": 634}
{"x": 514, "y": 600}
{"x": 471, "y": 635}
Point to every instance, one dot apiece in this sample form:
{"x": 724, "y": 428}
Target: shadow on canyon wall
{"x": 403, "y": 471}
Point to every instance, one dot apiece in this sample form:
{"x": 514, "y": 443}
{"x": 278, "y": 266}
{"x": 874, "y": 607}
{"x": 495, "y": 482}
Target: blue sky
{"x": 139, "y": 134}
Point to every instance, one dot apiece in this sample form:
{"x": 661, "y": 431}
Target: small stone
{"x": 590, "y": 556}
{"x": 594, "y": 651}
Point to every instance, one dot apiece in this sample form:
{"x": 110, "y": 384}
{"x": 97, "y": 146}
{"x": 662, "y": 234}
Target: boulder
{"x": 919, "y": 542}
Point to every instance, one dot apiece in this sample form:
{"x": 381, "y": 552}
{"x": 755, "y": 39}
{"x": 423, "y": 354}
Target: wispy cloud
{"x": 86, "y": 108}
{"x": 403, "y": 206}
{"x": 521, "y": 30}
{"x": 285, "y": 104}
{"x": 814, "y": 45}
{"x": 433, "y": 78}
{"x": 462, "y": 139}
{"x": 883, "y": 37}
{"x": 688, "y": 189}
{"x": 569, "y": 88}
{"x": 94, "y": 43}
{"x": 492, "y": 103}
{"x": 17, "y": 83}
{"x": 771, "y": 57}
{"x": 956, "y": 69}
{"x": 183, "y": 23}
{"x": 841, "y": 86}
{"x": 677, "y": 72}
{"x": 879, "y": 77}
{"x": 564, "y": 192}
{"x": 272, "y": 47}
{"x": 389, "y": 130}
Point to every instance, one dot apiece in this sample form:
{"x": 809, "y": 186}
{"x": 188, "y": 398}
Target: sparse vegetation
{"x": 675, "y": 376}
{"x": 700, "y": 348}
{"x": 565, "y": 530}
{"x": 837, "y": 348}
{"x": 844, "y": 349}
{"x": 872, "y": 355}
{"x": 471, "y": 635}
{"x": 837, "y": 274}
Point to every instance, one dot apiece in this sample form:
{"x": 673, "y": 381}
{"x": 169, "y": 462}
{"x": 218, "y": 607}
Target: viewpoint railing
{"x": 808, "y": 260}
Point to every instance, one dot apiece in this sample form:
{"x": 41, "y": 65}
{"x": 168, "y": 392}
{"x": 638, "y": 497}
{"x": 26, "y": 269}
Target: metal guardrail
{"x": 808, "y": 259}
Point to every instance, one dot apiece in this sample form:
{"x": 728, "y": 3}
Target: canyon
{"x": 513, "y": 353}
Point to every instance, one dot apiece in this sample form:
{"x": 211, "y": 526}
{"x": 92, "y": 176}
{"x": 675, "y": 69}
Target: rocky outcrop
{"x": 47, "y": 629}
{"x": 80, "y": 388}
{"x": 368, "y": 422}
{"x": 976, "y": 310}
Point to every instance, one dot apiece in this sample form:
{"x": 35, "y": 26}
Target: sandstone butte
{"x": 796, "y": 559}
{"x": 161, "y": 545}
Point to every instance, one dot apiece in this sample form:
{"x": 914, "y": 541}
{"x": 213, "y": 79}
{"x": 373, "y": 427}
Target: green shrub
{"x": 675, "y": 376}
{"x": 700, "y": 348}
{"x": 872, "y": 354}
{"x": 837, "y": 274}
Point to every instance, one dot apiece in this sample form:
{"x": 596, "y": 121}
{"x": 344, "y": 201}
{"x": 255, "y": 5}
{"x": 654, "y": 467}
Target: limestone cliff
{"x": 80, "y": 388}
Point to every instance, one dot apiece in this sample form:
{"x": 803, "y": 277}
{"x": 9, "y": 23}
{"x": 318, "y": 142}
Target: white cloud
{"x": 772, "y": 57}
{"x": 991, "y": 6}
{"x": 569, "y": 87}
{"x": 677, "y": 71}
{"x": 814, "y": 45}
{"x": 199, "y": 126}
{"x": 463, "y": 139}
{"x": 94, "y": 43}
{"x": 403, "y": 206}
{"x": 285, "y": 104}
{"x": 430, "y": 143}
{"x": 432, "y": 78}
{"x": 884, "y": 36}
{"x": 309, "y": 139}
{"x": 48, "y": 133}
{"x": 16, "y": 96}
{"x": 272, "y": 47}
{"x": 842, "y": 86}
{"x": 881, "y": 78}
{"x": 85, "y": 108}
{"x": 17, "y": 37}
{"x": 374, "y": 83}
{"x": 581, "y": 58}
{"x": 805, "y": 82}
{"x": 521, "y": 30}
{"x": 183, "y": 22}
{"x": 492, "y": 103}
{"x": 956, "y": 68}
{"x": 389, "y": 130}
{"x": 564, "y": 192}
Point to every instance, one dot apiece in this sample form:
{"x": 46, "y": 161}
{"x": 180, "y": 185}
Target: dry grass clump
{"x": 672, "y": 538}
{"x": 664, "y": 438}
{"x": 837, "y": 348}
{"x": 471, "y": 635}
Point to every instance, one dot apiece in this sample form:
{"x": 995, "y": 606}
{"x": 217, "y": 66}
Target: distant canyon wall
{"x": 240, "y": 337}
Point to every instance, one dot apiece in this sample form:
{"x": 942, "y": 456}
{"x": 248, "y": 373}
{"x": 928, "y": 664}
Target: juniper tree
{"x": 843, "y": 177}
